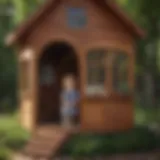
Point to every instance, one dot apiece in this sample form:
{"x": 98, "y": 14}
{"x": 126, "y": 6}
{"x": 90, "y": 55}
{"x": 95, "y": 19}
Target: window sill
{"x": 111, "y": 97}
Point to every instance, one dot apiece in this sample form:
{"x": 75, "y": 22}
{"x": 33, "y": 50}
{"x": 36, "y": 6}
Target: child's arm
{"x": 77, "y": 99}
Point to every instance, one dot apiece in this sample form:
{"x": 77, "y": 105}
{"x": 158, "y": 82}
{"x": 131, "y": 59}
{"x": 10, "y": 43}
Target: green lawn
{"x": 12, "y": 136}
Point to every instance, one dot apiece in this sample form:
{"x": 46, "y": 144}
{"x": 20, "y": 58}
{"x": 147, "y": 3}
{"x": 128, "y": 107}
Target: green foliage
{"x": 138, "y": 139}
{"x": 12, "y": 136}
{"x": 7, "y": 62}
{"x": 14, "y": 140}
{"x": 147, "y": 116}
{"x": 12, "y": 12}
{"x": 24, "y": 8}
{"x": 4, "y": 153}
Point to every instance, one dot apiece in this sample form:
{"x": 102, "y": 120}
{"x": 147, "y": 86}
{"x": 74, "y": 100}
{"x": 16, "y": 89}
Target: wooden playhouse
{"x": 94, "y": 40}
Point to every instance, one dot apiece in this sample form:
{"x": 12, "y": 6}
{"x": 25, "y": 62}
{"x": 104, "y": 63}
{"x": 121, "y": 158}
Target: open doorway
{"x": 57, "y": 60}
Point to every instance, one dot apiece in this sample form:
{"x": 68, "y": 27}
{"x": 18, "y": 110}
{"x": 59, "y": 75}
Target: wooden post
{"x": 28, "y": 89}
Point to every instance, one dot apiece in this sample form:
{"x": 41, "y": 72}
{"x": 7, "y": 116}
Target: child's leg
{"x": 65, "y": 117}
{"x": 64, "y": 120}
{"x": 75, "y": 116}
{"x": 67, "y": 121}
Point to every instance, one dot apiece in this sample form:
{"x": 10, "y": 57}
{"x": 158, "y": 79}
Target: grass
{"x": 12, "y": 136}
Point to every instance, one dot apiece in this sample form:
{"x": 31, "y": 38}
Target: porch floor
{"x": 50, "y": 128}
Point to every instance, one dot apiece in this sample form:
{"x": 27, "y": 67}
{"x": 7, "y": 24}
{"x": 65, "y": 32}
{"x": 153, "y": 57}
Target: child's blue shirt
{"x": 69, "y": 97}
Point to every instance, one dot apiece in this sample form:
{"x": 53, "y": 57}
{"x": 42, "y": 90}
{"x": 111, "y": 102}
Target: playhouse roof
{"x": 26, "y": 28}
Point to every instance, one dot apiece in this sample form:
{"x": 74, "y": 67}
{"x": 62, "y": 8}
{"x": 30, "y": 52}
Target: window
{"x": 76, "y": 17}
{"x": 96, "y": 71}
{"x": 120, "y": 73}
{"x": 105, "y": 66}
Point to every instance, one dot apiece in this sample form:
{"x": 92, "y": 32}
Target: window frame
{"x": 102, "y": 88}
{"x": 71, "y": 17}
{"x": 109, "y": 89}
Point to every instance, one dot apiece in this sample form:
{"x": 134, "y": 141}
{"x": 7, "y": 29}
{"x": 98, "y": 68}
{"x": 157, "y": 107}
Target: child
{"x": 69, "y": 100}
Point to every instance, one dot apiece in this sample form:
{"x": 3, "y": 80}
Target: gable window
{"x": 120, "y": 73}
{"x": 96, "y": 71}
{"x": 76, "y": 17}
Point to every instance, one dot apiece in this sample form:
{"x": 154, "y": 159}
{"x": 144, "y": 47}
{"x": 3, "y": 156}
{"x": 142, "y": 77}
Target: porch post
{"x": 34, "y": 79}
{"x": 28, "y": 88}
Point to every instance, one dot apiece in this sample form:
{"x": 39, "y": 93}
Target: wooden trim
{"x": 35, "y": 91}
{"x": 109, "y": 74}
{"x": 113, "y": 97}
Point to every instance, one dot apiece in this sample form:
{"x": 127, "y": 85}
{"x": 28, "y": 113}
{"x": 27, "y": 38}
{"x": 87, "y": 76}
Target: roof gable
{"x": 29, "y": 25}
{"x": 122, "y": 16}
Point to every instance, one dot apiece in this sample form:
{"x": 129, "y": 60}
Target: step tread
{"x": 45, "y": 147}
{"x": 38, "y": 140}
{"x": 37, "y": 153}
{"x": 34, "y": 146}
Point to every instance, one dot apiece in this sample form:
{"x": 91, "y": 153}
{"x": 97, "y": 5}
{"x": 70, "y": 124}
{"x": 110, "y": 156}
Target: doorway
{"x": 57, "y": 60}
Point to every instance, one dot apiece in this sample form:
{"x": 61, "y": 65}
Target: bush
{"x": 12, "y": 136}
{"x": 16, "y": 139}
{"x": 6, "y": 105}
{"x": 4, "y": 153}
{"x": 136, "y": 140}
{"x": 147, "y": 116}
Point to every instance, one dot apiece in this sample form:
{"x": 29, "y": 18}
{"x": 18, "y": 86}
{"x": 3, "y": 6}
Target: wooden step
{"x": 49, "y": 134}
{"x": 37, "y": 152}
{"x": 57, "y": 128}
{"x": 41, "y": 142}
{"x": 46, "y": 143}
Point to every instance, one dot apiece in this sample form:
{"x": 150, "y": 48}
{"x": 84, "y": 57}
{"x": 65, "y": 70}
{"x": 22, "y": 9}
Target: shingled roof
{"x": 26, "y": 28}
